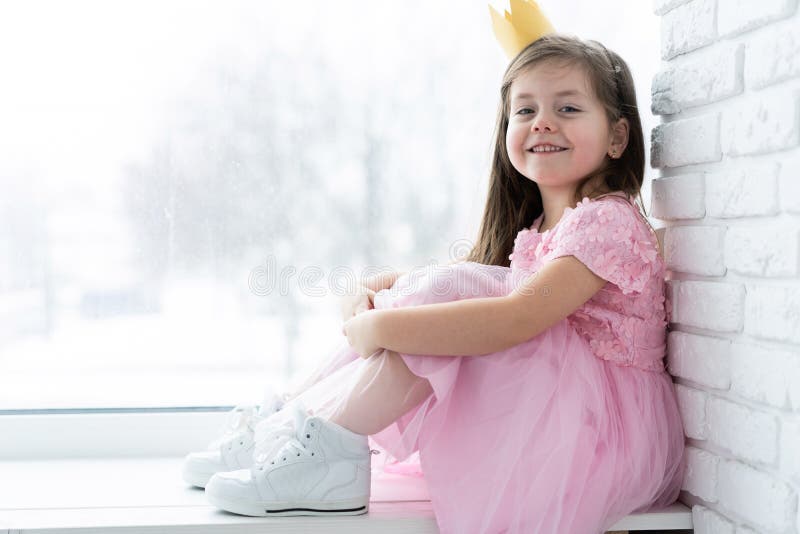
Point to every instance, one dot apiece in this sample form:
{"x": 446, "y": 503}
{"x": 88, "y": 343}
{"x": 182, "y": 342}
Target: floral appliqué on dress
{"x": 625, "y": 322}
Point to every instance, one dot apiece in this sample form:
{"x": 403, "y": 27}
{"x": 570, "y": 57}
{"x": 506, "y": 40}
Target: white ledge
{"x": 143, "y": 495}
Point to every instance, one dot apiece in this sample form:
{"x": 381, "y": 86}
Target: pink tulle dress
{"x": 571, "y": 430}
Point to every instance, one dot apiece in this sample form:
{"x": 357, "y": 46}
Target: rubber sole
{"x": 284, "y": 509}
{"x": 196, "y": 478}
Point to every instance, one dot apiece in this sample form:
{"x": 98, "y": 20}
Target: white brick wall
{"x": 790, "y": 444}
{"x": 779, "y": 53}
{"x": 788, "y": 182}
{"x": 748, "y": 434}
{"x": 765, "y": 122}
{"x": 681, "y": 244}
{"x": 757, "y": 497}
{"x": 683, "y": 142}
{"x": 688, "y": 26}
{"x": 773, "y": 312}
{"x": 702, "y": 474}
{"x": 715, "y": 306}
{"x": 728, "y": 154}
{"x": 712, "y": 76}
{"x": 734, "y": 16}
{"x": 739, "y": 191}
{"x": 692, "y": 404}
{"x": 680, "y": 197}
{"x": 708, "y": 522}
{"x": 767, "y": 249}
{"x": 703, "y": 360}
{"x": 763, "y": 375}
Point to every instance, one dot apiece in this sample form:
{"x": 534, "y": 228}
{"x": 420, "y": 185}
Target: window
{"x": 188, "y": 185}
{"x": 185, "y": 185}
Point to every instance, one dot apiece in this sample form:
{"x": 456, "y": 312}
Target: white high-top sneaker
{"x": 323, "y": 470}
{"x": 235, "y": 448}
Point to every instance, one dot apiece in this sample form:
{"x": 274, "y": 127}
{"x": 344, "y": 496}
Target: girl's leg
{"x": 385, "y": 391}
{"x": 335, "y": 361}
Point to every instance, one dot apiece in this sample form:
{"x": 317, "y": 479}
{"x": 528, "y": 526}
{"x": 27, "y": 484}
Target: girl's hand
{"x": 360, "y": 332}
{"x": 361, "y": 301}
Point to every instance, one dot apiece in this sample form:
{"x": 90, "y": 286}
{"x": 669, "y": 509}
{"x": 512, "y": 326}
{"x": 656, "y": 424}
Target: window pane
{"x": 171, "y": 171}
{"x": 182, "y": 181}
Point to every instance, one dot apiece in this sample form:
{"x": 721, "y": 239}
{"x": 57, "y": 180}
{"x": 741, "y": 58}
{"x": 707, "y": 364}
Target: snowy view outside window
{"x": 182, "y": 182}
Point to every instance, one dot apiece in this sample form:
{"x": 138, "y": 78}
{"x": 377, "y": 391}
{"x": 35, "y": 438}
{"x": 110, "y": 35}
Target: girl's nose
{"x": 542, "y": 123}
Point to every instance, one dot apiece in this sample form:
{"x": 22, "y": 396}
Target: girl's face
{"x": 558, "y": 131}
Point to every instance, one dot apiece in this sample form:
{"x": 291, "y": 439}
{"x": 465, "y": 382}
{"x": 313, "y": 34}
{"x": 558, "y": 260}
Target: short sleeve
{"x": 610, "y": 238}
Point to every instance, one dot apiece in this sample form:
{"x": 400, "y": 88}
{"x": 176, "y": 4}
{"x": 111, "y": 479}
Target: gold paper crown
{"x": 521, "y": 27}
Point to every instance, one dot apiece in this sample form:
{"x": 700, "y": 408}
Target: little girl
{"x": 529, "y": 378}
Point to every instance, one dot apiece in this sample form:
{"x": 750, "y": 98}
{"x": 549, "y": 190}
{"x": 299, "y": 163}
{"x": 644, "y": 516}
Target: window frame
{"x": 108, "y": 433}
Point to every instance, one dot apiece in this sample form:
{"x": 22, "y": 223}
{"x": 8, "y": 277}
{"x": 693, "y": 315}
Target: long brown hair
{"x": 514, "y": 201}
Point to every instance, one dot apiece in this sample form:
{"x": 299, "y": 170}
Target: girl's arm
{"x": 479, "y": 326}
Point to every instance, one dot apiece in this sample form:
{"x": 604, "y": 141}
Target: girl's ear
{"x": 619, "y": 138}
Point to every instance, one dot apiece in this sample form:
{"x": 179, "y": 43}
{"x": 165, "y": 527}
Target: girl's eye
{"x": 524, "y": 111}
{"x": 569, "y": 109}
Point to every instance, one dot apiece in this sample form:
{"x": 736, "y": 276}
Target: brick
{"x": 712, "y": 305}
{"x": 679, "y": 197}
{"x": 687, "y": 27}
{"x": 794, "y": 380}
{"x": 686, "y": 142}
{"x": 762, "y": 374}
{"x": 762, "y": 123}
{"x": 741, "y": 192}
{"x": 760, "y": 499}
{"x": 701, "y": 359}
{"x": 695, "y": 249}
{"x": 707, "y": 521}
{"x": 790, "y": 445}
{"x": 738, "y": 16}
{"x": 701, "y": 474}
{"x": 709, "y": 76}
{"x": 763, "y": 250}
{"x": 662, "y": 6}
{"x": 671, "y": 304}
{"x": 773, "y": 56}
{"x": 789, "y": 182}
{"x": 749, "y": 434}
{"x": 773, "y": 312}
{"x": 692, "y": 405}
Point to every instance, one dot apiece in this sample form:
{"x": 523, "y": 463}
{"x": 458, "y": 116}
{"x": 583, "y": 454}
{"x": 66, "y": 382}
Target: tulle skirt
{"x": 542, "y": 437}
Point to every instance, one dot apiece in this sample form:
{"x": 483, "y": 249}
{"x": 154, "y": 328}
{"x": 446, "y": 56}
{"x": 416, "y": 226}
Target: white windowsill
{"x": 147, "y": 494}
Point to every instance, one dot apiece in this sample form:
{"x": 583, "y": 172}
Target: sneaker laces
{"x": 293, "y": 444}
{"x": 246, "y": 417}
{"x": 271, "y": 438}
{"x": 241, "y": 419}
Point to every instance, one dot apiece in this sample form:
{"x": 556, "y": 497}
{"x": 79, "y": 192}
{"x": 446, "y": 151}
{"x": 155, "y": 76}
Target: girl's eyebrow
{"x": 567, "y": 92}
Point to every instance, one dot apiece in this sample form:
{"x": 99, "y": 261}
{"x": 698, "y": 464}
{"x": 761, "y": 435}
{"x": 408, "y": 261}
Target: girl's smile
{"x": 546, "y": 148}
